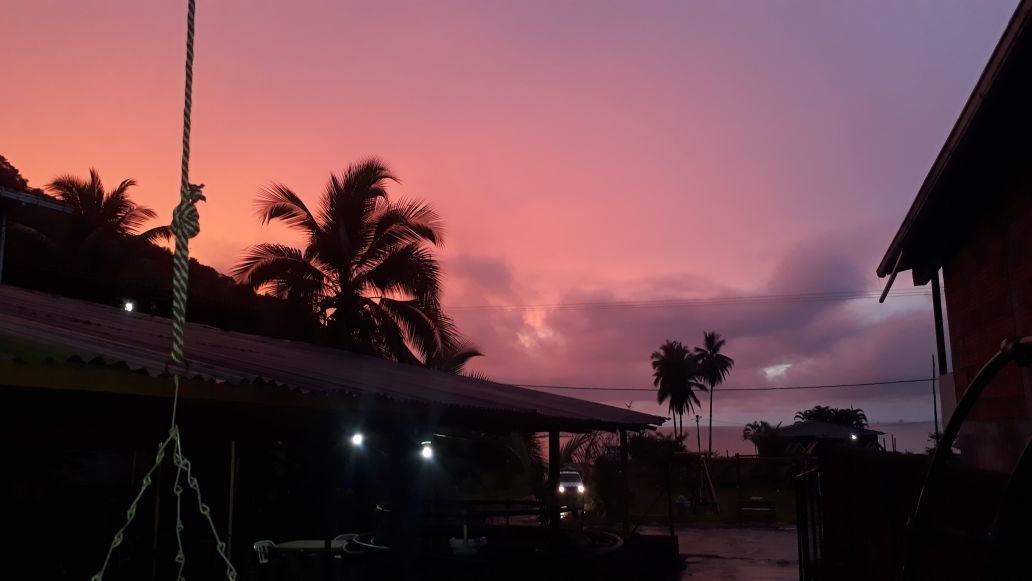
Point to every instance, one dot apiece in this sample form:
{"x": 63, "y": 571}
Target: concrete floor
{"x": 761, "y": 553}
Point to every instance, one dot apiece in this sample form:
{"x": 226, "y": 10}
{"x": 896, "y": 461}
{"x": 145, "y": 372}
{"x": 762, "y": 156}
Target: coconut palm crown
{"x": 675, "y": 375}
{"x": 365, "y": 267}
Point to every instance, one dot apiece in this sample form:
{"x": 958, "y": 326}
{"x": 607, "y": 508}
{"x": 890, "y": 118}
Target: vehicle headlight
{"x": 580, "y": 489}
{"x": 562, "y": 489}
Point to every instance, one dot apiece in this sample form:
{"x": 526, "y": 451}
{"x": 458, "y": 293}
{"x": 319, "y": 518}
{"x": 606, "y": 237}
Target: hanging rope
{"x": 185, "y": 225}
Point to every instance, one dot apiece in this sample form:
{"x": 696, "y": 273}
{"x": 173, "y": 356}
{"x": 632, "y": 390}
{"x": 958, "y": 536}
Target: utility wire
{"x": 725, "y": 389}
{"x": 694, "y": 302}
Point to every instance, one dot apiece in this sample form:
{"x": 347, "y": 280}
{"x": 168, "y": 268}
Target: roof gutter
{"x": 892, "y": 278}
{"x": 985, "y": 82}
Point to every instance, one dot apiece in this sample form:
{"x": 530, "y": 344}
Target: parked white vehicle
{"x": 571, "y": 484}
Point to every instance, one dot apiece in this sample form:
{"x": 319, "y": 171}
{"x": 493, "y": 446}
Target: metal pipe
{"x": 624, "y": 486}
{"x": 935, "y": 400}
{"x": 892, "y": 278}
{"x": 940, "y": 334}
{"x": 1011, "y": 349}
{"x": 553, "y": 484}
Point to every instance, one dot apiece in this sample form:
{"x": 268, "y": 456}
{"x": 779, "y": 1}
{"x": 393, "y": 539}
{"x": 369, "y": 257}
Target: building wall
{"x": 988, "y": 291}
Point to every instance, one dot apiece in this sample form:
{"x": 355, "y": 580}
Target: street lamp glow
{"x": 427, "y": 452}
{"x": 852, "y": 436}
{"x": 562, "y": 489}
{"x": 128, "y": 306}
{"x": 356, "y": 440}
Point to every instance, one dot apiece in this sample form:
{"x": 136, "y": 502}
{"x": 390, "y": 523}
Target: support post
{"x": 157, "y": 518}
{"x": 935, "y": 400}
{"x": 553, "y": 483}
{"x": 624, "y": 487}
{"x": 940, "y": 335}
{"x": 698, "y": 435}
{"x": 670, "y": 498}
{"x": 232, "y": 497}
{"x": 329, "y": 512}
{"x": 3, "y": 241}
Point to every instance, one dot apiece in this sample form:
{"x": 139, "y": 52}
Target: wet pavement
{"x": 761, "y": 553}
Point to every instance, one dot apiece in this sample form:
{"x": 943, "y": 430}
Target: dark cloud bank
{"x": 820, "y": 342}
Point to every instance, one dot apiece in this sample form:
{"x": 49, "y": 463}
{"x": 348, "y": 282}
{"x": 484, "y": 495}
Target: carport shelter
{"x": 78, "y": 375}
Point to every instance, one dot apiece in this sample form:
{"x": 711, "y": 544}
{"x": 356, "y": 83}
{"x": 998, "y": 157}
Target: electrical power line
{"x": 726, "y": 389}
{"x": 695, "y": 302}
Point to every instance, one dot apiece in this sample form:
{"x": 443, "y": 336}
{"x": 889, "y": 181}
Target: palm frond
{"x": 281, "y": 269}
{"x": 163, "y": 233}
{"x": 419, "y": 329}
{"x": 453, "y": 356}
{"x": 410, "y": 270}
{"x": 278, "y": 202}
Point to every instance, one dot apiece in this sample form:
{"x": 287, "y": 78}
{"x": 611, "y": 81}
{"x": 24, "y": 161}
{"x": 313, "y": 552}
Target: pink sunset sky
{"x": 578, "y": 151}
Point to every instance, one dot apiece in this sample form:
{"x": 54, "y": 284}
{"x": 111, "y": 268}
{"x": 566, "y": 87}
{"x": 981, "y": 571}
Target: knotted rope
{"x": 185, "y": 225}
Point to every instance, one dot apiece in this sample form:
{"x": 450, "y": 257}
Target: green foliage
{"x": 366, "y": 269}
{"x": 11, "y": 178}
{"x": 676, "y": 375}
{"x": 767, "y": 438}
{"x": 453, "y": 359}
{"x": 102, "y": 253}
{"x": 582, "y": 449}
{"x": 653, "y": 449}
{"x": 527, "y": 449}
{"x": 714, "y": 366}
{"x": 850, "y": 417}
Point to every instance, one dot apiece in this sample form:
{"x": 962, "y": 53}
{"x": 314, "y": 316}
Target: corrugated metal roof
{"x": 141, "y": 341}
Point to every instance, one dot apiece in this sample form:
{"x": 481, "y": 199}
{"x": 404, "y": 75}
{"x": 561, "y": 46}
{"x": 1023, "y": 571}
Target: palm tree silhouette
{"x": 453, "y": 359}
{"x": 762, "y": 435}
{"x": 93, "y": 241}
{"x": 714, "y": 368}
{"x": 676, "y": 377}
{"x": 366, "y": 268}
{"x": 850, "y": 417}
{"x": 99, "y": 214}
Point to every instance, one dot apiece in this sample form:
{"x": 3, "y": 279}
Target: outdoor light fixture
{"x": 128, "y": 306}
{"x": 852, "y": 436}
{"x": 427, "y": 452}
{"x": 562, "y": 489}
{"x": 580, "y": 489}
{"x": 356, "y": 440}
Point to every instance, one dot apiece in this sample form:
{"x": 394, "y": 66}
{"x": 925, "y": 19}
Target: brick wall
{"x": 988, "y": 288}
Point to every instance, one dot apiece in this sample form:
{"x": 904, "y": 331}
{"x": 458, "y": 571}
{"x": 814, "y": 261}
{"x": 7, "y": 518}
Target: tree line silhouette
{"x": 366, "y": 278}
{"x": 678, "y": 372}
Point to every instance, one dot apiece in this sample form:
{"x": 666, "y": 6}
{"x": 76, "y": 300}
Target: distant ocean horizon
{"x": 910, "y": 437}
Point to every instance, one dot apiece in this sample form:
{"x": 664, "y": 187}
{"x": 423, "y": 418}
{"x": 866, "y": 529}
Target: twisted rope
{"x": 185, "y": 225}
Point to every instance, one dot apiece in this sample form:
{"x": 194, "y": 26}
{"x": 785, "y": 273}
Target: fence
{"x": 853, "y": 509}
{"x": 809, "y": 523}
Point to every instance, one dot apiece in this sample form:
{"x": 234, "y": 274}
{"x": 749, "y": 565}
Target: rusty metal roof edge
{"x": 153, "y": 362}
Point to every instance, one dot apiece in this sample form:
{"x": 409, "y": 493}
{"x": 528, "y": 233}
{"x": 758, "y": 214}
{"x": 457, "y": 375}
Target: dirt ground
{"x": 716, "y": 552}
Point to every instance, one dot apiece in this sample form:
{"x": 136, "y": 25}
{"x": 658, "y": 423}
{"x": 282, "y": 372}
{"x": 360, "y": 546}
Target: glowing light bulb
{"x": 128, "y": 306}
{"x": 427, "y": 452}
{"x": 357, "y": 439}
